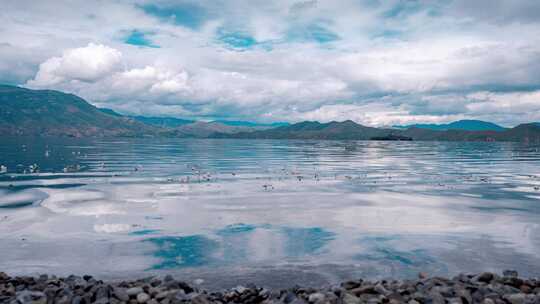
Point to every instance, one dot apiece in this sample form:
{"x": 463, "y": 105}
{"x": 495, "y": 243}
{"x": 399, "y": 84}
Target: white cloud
{"x": 88, "y": 64}
{"x": 425, "y": 64}
{"x": 515, "y": 106}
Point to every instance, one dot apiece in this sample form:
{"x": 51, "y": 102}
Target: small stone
{"x": 288, "y": 297}
{"x": 454, "y": 301}
{"x": 488, "y": 301}
{"x": 3, "y": 276}
{"x": 350, "y": 299}
{"x": 64, "y": 300}
{"x": 181, "y": 296}
{"x": 121, "y": 294}
{"x": 316, "y": 297}
{"x": 512, "y": 281}
{"x": 168, "y": 278}
{"x": 98, "y": 301}
{"x": 510, "y": 273}
{"x": 24, "y": 297}
{"x": 200, "y": 299}
{"x": 102, "y": 292}
{"x": 351, "y": 285}
{"x": 364, "y": 290}
{"x": 155, "y": 282}
{"x": 298, "y": 301}
{"x": 143, "y": 297}
{"x": 76, "y": 300}
{"x": 413, "y": 302}
{"x": 422, "y": 275}
{"x": 525, "y": 289}
{"x": 165, "y": 301}
{"x": 436, "y": 298}
{"x": 485, "y": 277}
{"x": 464, "y": 294}
{"x": 381, "y": 289}
{"x": 134, "y": 291}
{"x": 516, "y": 298}
{"x": 161, "y": 295}
{"x": 240, "y": 289}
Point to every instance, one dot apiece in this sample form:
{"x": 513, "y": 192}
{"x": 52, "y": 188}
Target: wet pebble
{"x": 484, "y": 288}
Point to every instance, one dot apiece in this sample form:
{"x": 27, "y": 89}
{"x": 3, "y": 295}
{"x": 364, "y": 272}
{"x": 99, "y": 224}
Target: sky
{"x": 379, "y": 63}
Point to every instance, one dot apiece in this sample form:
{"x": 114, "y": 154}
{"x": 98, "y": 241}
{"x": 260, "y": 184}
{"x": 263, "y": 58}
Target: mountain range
{"x": 349, "y": 130}
{"x": 26, "y": 112}
{"x": 466, "y": 125}
{"x": 173, "y": 122}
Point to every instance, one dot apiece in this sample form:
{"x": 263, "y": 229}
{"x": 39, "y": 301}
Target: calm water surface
{"x": 271, "y": 212}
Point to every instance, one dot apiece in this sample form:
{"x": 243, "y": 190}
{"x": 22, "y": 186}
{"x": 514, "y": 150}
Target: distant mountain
{"x": 110, "y": 112}
{"x": 251, "y": 124}
{"x": 316, "y": 130}
{"x": 466, "y": 125}
{"x": 163, "y": 122}
{"x": 52, "y": 113}
{"x": 172, "y": 122}
{"x": 25, "y": 112}
{"x": 201, "y": 129}
{"x": 349, "y": 130}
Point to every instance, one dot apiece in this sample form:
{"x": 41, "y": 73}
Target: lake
{"x": 271, "y": 212}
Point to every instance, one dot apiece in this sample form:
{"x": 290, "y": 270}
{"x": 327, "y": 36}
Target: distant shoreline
{"x": 26, "y": 112}
{"x": 374, "y": 139}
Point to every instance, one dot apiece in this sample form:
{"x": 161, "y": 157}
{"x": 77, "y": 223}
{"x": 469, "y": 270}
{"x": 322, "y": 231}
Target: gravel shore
{"x": 485, "y": 288}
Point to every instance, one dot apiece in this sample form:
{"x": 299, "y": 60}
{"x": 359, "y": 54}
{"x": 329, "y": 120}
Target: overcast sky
{"x": 375, "y": 62}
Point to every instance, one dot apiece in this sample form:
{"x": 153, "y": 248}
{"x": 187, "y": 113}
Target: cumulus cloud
{"x": 375, "y": 62}
{"x": 88, "y": 64}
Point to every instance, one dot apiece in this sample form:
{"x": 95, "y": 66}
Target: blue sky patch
{"x": 235, "y": 39}
{"x": 139, "y": 38}
{"x": 403, "y": 9}
{"x": 185, "y": 14}
{"x": 314, "y": 32}
{"x": 388, "y": 34}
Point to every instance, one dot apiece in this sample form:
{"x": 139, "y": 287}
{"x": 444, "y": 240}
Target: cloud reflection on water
{"x": 376, "y": 208}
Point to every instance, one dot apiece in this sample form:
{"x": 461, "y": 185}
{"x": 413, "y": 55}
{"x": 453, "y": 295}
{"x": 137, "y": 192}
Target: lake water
{"x": 275, "y": 213}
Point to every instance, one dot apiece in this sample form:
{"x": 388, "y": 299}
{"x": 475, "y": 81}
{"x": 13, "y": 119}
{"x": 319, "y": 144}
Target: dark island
{"x": 392, "y": 137}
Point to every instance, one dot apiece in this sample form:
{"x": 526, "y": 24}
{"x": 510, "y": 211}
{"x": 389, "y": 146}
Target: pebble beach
{"x": 485, "y": 288}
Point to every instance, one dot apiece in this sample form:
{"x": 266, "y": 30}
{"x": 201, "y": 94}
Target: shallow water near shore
{"x": 275, "y": 213}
